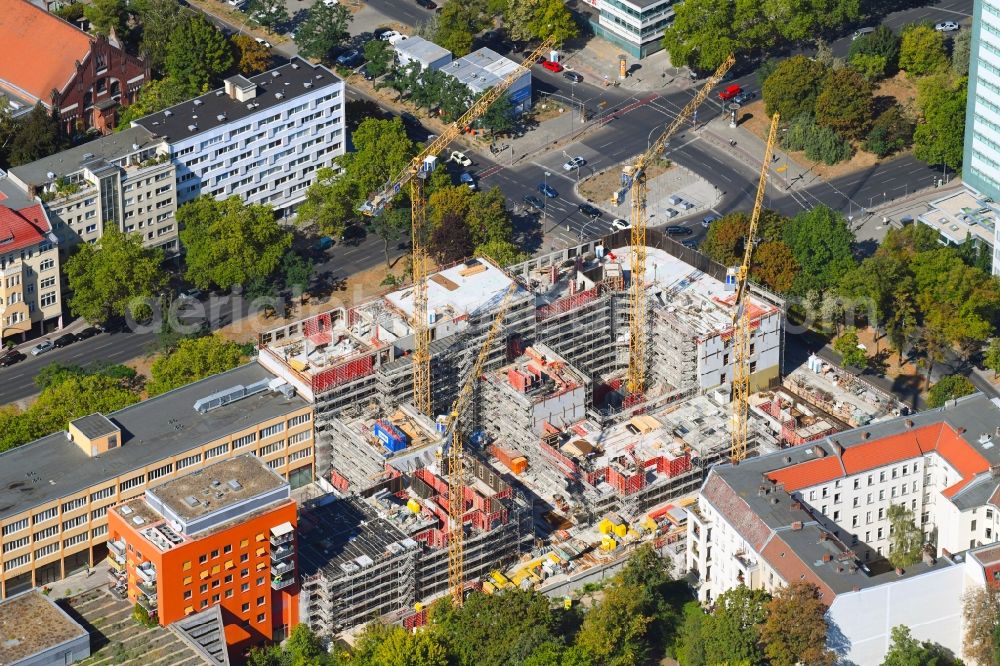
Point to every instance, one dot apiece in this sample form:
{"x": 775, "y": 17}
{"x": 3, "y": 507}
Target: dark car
{"x": 676, "y": 230}
{"x": 547, "y": 190}
{"x": 10, "y": 358}
{"x": 573, "y": 76}
{"x": 691, "y": 243}
{"x": 590, "y": 211}
{"x": 534, "y": 202}
{"x": 744, "y": 97}
{"x": 378, "y": 32}
{"x": 64, "y": 340}
{"x": 427, "y": 4}
{"x": 365, "y": 74}
{"x": 88, "y": 332}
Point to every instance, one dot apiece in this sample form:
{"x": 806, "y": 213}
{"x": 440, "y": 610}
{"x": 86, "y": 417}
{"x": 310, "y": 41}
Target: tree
{"x": 78, "y": 396}
{"x": 793, "y": 86}
{"x": 775, "y": 266}
{"x": 518, "y": 17}
{"x": 844, "y": 103}
{"x": 37, "y": 136}
{"x": 819, "y": 142}
{"x": 939, "y": 138}
{"x": 456, "y": 28}
{"x": 821, "y": 242}
{"x": 156, "y": 19}
{"x": 501, "y": 252}
{"x": 551, "y": 18}
{"x": 228, "y": 243}
{"x": 324, "y": 29}
{"x": 961, "y": 53}
{"x": 795, "y": 629}
{"x": 875, "y": 55}
{"x": 949, "y": 388}
{"x": 906, "y": 540}
{"x": 390, "y": 225}
{"x": 269, "y": 13}
{"x": 921, "y": 50}
{"x": 991, "y": 359}
{"x": 193, "y": 359}
{"x": 329, "y": 203}
{"x": 303, "y": 648}
{"x": 980, "y": 618}
{"x": 908, "y": 651}
{"x": 451, "y": 240}
{"x": 113, "y": 276}
{"x": 614, "y": 631}
{"x": 488, "y": 218}
{"x": 731, "y": 633}
{"x": 891, "y": 132}
{"x": 296, "y": 272}
{"x": 847, "y": 346}
{"x": 198, "y": 54}
{"x": 107, "y": 16}
{"x": 154, "y": 96}
{"x": 379, "y": 57}
{"x": 499, "y": 118}
{"x": 382, "y": 645}
{"x": 252, "y": 57}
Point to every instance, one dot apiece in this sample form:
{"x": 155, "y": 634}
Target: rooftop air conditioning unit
{"x": 308, "y": 84}
{"x": 220, "y": 117}
{"x": 278, "y": 96}
{"x": 192, "y": 128}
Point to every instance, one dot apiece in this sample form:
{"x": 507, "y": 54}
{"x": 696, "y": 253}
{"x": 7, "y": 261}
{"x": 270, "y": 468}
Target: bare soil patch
{"x": 601, "y": 185}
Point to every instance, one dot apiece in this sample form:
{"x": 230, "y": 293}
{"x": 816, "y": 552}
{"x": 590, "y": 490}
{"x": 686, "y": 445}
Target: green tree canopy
{"x": 906, "y": 540}
{"x": 457, "y": 26}
{"x": 731, "y": 633}
{"x": 844, "y": 103}
{"x": 228, "y": 243}
{"x": 197, "y": 54}
{"x": 821, "y": 243}
{"x": 922, "y": 50}
{"x": 154, "y": 96}
{"x": 908, "y": 651}
{"x": 379, "y": 56}
{"x": 551, "y": 18}
{"x": 252, "y": 57}
{"x": 775, "y": 266}
{"x": 939, "y": 138}
{"x": 847, "y": 346}
{"x": 156, "y": 19}
{"x": 113, "y": 276}
{"x": 961, "y": 53}
{"x": 948, "y": 388}
{"x": 614, "y": 631}
{"x": 193, "y": 359}
{"x": 381, "y": 645}
{"x": 991, "y": 358}
{"x": 107, "y": 16}
{"x": 876, "y": 54}
{"x": 795, "y": 629}
{"x": 793, "y": 86}
{"x": 268, "y": 13}
{"x": 324, "y": 29}
{"x": 35, "y": 136}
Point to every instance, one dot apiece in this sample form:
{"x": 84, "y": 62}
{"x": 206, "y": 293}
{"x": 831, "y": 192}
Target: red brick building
{"x": 85, "y": 79}
{"x": 223, "y": 536}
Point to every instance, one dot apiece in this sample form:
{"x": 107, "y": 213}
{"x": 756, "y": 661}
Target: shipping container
{"x": 391, "y": 437}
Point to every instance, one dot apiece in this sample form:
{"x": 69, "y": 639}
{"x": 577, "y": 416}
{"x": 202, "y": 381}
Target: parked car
{"x": 677, "y": 230}
{"x": 42, "y": 347}
{"x": 690, "y": 242}
{"x": 365, "y": 74}
{"x": 87, "y": 333}
{"x": 350, "y": 58}
{"x": 10, "y": 358}
{"x": 460, "y": 158}
{"x": 861, "y": 32}
{"x": 263, "y": 42}
{"x": 190, "y": 295}
{"x": 378, "y": 33}
{"x": 620, "y": 224}
{"x": 670, "y": 213}
{"x": 324, "y": 243}
{"x": 388, "y": 35}
{"x": 64, "y": 340}
{"x": 573, "y": 76}
{"x": 534, "y": 202}
{"x": 552, "y": 66}
{"x": 730, "y": 92}
{"x": 574, "y": 163}
{"x": 946, "y": 26}
{"x": 427, "y": 4}
{"x": 395, "y": 39}
{"x": 590, "y": 211}
{"x": 547, "y": 190}
{"x": 708, "y": 219}
{"x": 468, "y": 179}
{"x": 744, "y": 97}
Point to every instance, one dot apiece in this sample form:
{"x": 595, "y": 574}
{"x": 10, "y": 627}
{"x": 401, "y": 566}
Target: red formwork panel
{"x": 432, "y": 480}
{"x": 343, "y": 373}
{"x": 569, "y": 467}
{"x": 338, "y": 481}
{"x": 318, "y": 329}
{"x": 567, "y": 303}
{"x": 415, "y": 621}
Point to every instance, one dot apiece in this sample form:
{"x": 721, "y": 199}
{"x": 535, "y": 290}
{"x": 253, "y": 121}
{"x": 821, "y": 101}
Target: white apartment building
{"x": 981, "y": 158}
{"x": 635, "y": 25}
{"x": 819, "y": 512}
{"x": 123, "y": 179}
{"x": 30, "y": 300}
{"x": 259, "y": 138}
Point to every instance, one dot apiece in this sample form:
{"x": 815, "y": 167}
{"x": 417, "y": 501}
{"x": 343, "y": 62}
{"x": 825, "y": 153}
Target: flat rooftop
{"x": 215, "y": 109}
{"x": 30, "y": 623}
{"x": 198, "y": 493}
{"x": 53, "y": 467}
{"x": 468, "y": 288}
{"x": 107, "y": 148}
{"x": 418, "y": 48}
{"x": 959, "y": 216}
{"x": 482, "y": 69}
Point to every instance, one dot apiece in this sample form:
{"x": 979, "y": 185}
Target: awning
{"x": 282, "y": 529}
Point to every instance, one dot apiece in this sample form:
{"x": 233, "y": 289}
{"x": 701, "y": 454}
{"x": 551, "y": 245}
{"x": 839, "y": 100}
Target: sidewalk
{"x": 80, "y": 582}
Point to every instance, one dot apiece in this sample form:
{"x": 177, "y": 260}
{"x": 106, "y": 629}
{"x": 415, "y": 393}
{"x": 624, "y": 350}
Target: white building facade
{"x": 635, "y": 25}
{"x": 260, "y": 138}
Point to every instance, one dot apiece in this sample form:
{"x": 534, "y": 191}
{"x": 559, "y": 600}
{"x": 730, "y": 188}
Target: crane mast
{"x": 413, "y": 174}
{"x": 741, "y": 315}
{"x": 634, "y": 181}
{"x": 456, "y": 462}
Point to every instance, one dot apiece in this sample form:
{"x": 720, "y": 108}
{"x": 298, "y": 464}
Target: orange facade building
{"x": 221, "y": 536}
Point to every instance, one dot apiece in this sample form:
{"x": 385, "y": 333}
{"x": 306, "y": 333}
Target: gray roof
{"x": 94, "y": 425}
{"x": 772, "y": 520}
{"x": 290, "y": 80}
{"x": 53, "y": 467}
{"x": 206, "y": 633}
{"x": 421, "y": 49}
{"x": 482, "y": 69}
{"x": 111, "y": 147}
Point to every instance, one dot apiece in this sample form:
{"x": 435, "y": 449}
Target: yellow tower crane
{"x": 634, "y": 180}
{"x": 741, "y": 315}
{"x": 420, "y": 167}
{"x": 456, "y": 461}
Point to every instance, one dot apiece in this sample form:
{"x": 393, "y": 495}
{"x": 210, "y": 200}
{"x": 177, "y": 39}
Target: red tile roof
{"x": 938, "y": 437}
{"x": 743, "y": 519}
{"x": 22, "y": 228}
{"x": 38, "y": 51}
{"x": 789, "y": 565}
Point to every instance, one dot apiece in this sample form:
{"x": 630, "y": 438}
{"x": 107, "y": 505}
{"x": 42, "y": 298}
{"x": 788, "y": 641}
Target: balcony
{"x": 282, "y": 583}
{"x": 282, "y": 568}
{"x": 116, "y": 551}
{"x": 149, "y": 589}
{"x": 281, "y": 537}
{"x": 281, "y": 553}
{"x": 147, "y": 602}
{"x": 146, "y": 572}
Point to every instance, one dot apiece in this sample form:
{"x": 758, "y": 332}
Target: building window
{"x": 187, "y": 594}
{"x": 47, "y": 282}
{"x": 203, "y": 588}
{"x": 17, "y": 543}
{"x": 244, "y": 573}
{"x": 854, "y": 521}
{"x": 99, "y": 513}
{"x": 215, "y": 554}
{"x": 46, "y": 550}
{"x": 299, "y": 437}
{"x": 102, "y": 493}
{"x": 261, "y": 617}
{"x": 74, "y": 522}
{"x": 229, "y": 593}
{"x": 244, "y": 557}
{"x": 47, "y": 533}
{"x": 879, "y": 534}
{"x": 229, "y": 579}
{"x": 132, "y": 483}
{"x": 42, "y": 516}
{"x": 98, "y": 531}
{"x": 47, "y": 264}
{"x": 270, "y": 431}
{"x": 215, "y": 598}
{"x": 245, "y": 587}
{"x": 245, "y": 440}
{"x": 17, "y": 562}
{"x": 202, "y": 559}
{"x": 15, "y": 527}
{"x": 187, "y": 462}
{"x": 298, "y": 420}
{"x": 217, "y": 451}
{"x": 161, "y": 471}
{"x": 245, "y": 608}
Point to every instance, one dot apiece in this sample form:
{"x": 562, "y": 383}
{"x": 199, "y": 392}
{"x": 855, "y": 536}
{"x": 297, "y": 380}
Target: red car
{"x": 552, "y": 66}
{"x": 730, "y": 92}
